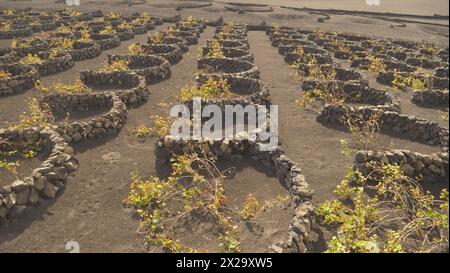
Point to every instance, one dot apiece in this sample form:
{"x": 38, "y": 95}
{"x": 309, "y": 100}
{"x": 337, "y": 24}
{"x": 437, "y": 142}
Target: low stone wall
{"x": 291, "y": 58}
{"x": 364, "y": 63}
{"x": 441, "y": 72}
{"x": 43, "y": 182}
{"x": 106, "y": 41}
{"x": 47, "y": 26}
{"x": 286, "y": 49}
{"x": 125, "y": 34}
{"x": 432, "y": 168}
{"x": 177, "y": 41}
{"x": 422, "y": 62}
{"x": 193, "y": 30}
{"x": 235, "y": 37}
{"x": 97, "y": 25}
{"x": 152, "y": 67}
{"x": 191, "y": 38}
{"x": 140, "y": 29}
{"x": 228, "y": 67}
{"x": 247, "y": 91}
{"x": 130, "y": 87}
{"x": 287, "y": 172}
{"x": 386, "y": 78}
{"x": 97, "y": 127}
{"x": 8, "y": 56}
{"x": 236, "y": 29}
{"x": 171, "y": 53}
{"x": 15, "y": 33}
{"x": 62, "y": 62}
{"x": 416, "y": 129}
{"x": 359, "y": 92}
{"x": 399, "y": 55}
{"x": 230, "y": 44}
{"x": 233, "y": 53}
{"x": 277, "y": 42}
{"x": 37, "y": 45}
{"x": 342, "y": 74}
{"x": 70, "y": 34}
{"x": 85, "y": 51}
{"x": 431, "y": 97}
{"x": 157, "y": 21}
{"x": 293, "y": 36}
{"x": 23, "y": 78}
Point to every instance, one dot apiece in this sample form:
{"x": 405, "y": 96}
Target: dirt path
{"x": 301, "y": 136}
{"x": 313, "y": 146}
{"x": 90, "y": 210}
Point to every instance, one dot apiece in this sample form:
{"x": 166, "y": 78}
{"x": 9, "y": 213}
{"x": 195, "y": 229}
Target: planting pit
{"x": 53, "y": 64}
{"x": 227, "y": 67}
{"x": 7, "y": 56}
{"x": 255, "y": 235}
{"x": 275, "y": 164}
{"x": 49, "y": 173}
{"x": 22, "y": 78}
{"x": 171, "y": 53}
{"x": 106, "y": 41}
{"x": 85, "y": 50}
{"x": 130, "y": 87}
{"x": 152, "y": 67}
{"x": 106, "y": 110}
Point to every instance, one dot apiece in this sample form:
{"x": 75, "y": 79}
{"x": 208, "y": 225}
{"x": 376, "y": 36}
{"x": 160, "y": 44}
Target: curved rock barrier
{"x": 98, "y": 126}
{"x": 431, "y": 97}
{"x": 44, "y": 26}
{"x": 227, "y": 67}
{"x": 16, "y": 33}
{"x": 239, "y": 37}
{"x": 130, "y": 87}
{"x": 364, "y": 63}
{"x": 415, "y": 129}
{"x": 190, "y": 37}
{"x": 69, "y": 34}
{"x": 291, "y": 58}
{"x": 287, "y": 171}
{"x": 290, "y": 49}
{"x": 43, "y": 182}
{"x": 233, "y": 53}
{"x": 420, "y": 61}
{"x": 140, "y": 29}
{"x": 177, "y": 41}
{"x": 8, "y": 56}
{"x": 106, "y": 41}
{"x": 193, "y": 30}
{"x": 152, "y": 67}
{"x": 278, "y": 42}
{"x": 243, "y": 45}
{"x": 55, "y": 64}
{"x": 125, "y": 34}
{"x": 357, "y": 92}
{"x": 247, "y": 91}
{"x": 31, "y": 47}
{"x": 441, "y": 72}
{"x": 388, "y": 77}
{"x": 286, "y": 36}
{"x": 85, "y": 50}
{"x": 432, "y": 168}
{"x": 22, "y": 78}
{"x": 171, "y": 53}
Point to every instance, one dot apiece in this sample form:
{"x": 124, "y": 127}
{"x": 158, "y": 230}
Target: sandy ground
{"x": 349, "y": 22}
{"x": 421, "y": 7}
{"x": 90, "y": 211}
